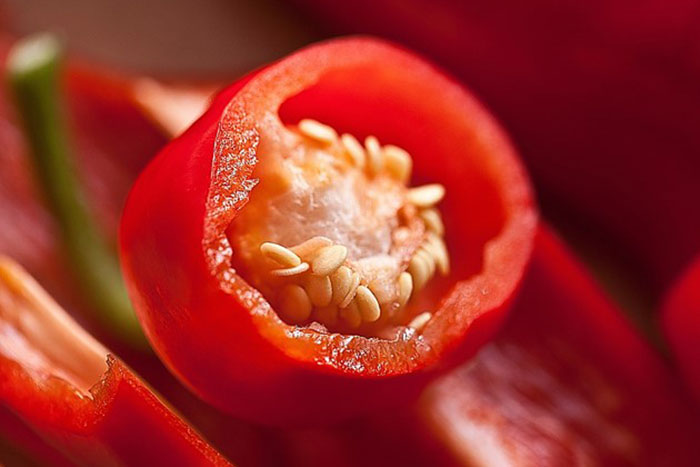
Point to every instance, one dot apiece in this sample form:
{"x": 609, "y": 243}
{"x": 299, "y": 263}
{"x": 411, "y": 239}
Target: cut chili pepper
{"x": 216, "y": 328}
{"x": 681, "y": 322}
{"x": 567, "y": 382}
{"x": 78, "y": 398}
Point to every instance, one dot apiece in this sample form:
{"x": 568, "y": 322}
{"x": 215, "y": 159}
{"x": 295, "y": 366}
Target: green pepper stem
{"x": 33, "y": 68}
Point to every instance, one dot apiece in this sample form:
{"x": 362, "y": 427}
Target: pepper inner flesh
{"x": 333, "y": 234}
{"x": 36, "y": 333}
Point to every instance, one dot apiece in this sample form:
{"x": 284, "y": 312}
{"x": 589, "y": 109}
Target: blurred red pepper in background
{"x": 114, "y": 141}
{"x": 600, "y": 98}
{"x": 567, "y": 382}
{"x": 78, "y": 398}
{"x": 681, "y": 323}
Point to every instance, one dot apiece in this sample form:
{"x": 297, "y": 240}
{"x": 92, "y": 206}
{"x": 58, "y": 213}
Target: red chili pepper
{"x": 567, "y": 382}
{"x": 221, "y": 336}
{"x": 681, "y": 322}
{"x": 54, "y": 378}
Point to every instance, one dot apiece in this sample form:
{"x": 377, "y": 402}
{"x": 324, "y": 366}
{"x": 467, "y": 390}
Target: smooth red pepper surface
{"x": 681, "y": 322}
{"x": 568, "y": 381}
{"x": 221, "y": 336}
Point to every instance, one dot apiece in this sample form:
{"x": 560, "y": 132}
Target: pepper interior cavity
{"x": 333, "y": 235}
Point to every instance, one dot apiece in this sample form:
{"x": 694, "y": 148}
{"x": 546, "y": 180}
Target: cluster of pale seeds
{"x": 317, "y": 281}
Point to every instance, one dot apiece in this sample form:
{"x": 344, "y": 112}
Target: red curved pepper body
{"x": 681, "y": 322}
{"x": 567, "y": 382}
{"x": 124, "y": 423}
{"x": 54, "y": 381}
{"x": 221, "y": 336}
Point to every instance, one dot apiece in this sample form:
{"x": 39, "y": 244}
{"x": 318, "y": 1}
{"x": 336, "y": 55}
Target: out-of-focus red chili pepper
{"x": 600, "y": 97}
{"x": 19, "y": 445}
{"x": 54, "y": 378}
{"x": 681, "y": 322}
{"x": 114, "y": 141}
{"x": 221, "y": 336}
{"x": 567, "y": 382}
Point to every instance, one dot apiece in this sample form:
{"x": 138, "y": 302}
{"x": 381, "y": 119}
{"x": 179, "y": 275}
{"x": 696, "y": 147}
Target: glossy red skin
{"x": 681, "y": 323}
{"x": 231, "y": 348}
{"x": 599, "y": 97}
{"x": 123, "y": 424}
{"x": 568, "y": 381}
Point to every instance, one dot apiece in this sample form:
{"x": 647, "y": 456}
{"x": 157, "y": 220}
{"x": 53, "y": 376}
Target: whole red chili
{"x": 681, "y": 322}
{"x": 85, "y": 403}
{"x": 341, "y": 336}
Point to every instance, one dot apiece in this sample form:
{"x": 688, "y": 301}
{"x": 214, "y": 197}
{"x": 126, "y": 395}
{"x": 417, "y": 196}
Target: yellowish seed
{"x": 420, "y": 321}
{"x": 428, "y": 258}
{"x": 367, "y": 304}
{"x": 354, "y": 284}
{"x": 383, "y": 294}
{"x": 327, "y": 315}
{"x": 426, "y": 196}
{"x": 328, "y": 259}
{"x": 374, "y": 155}
{"x": 405, "y": 288}
{"x": 433, "y": 221}
{"x": 307, "y": 250}
{"x": 341, "y": 280}
{"x": 318, "y": 131}
{"x": 436, "y": 247}
{"x": 301, "y": 268}
{"x": 284, "y": 256}
{"x": 419, "y": 270}
{"x": 397, "y": 162}
{"x": 294, "y": 304}
{"x": 319, "y": 290}
{"x": 354, "y": 149}
{"x": 351, "y": 315}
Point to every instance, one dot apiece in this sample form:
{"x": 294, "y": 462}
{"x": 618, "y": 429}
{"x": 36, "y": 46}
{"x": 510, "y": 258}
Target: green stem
{"x": 34, "y": 66}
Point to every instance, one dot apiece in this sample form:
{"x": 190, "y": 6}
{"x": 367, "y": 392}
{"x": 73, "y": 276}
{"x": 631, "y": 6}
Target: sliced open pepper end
{"x": 269, "y": 255}
{"x": 79, "y": 399}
